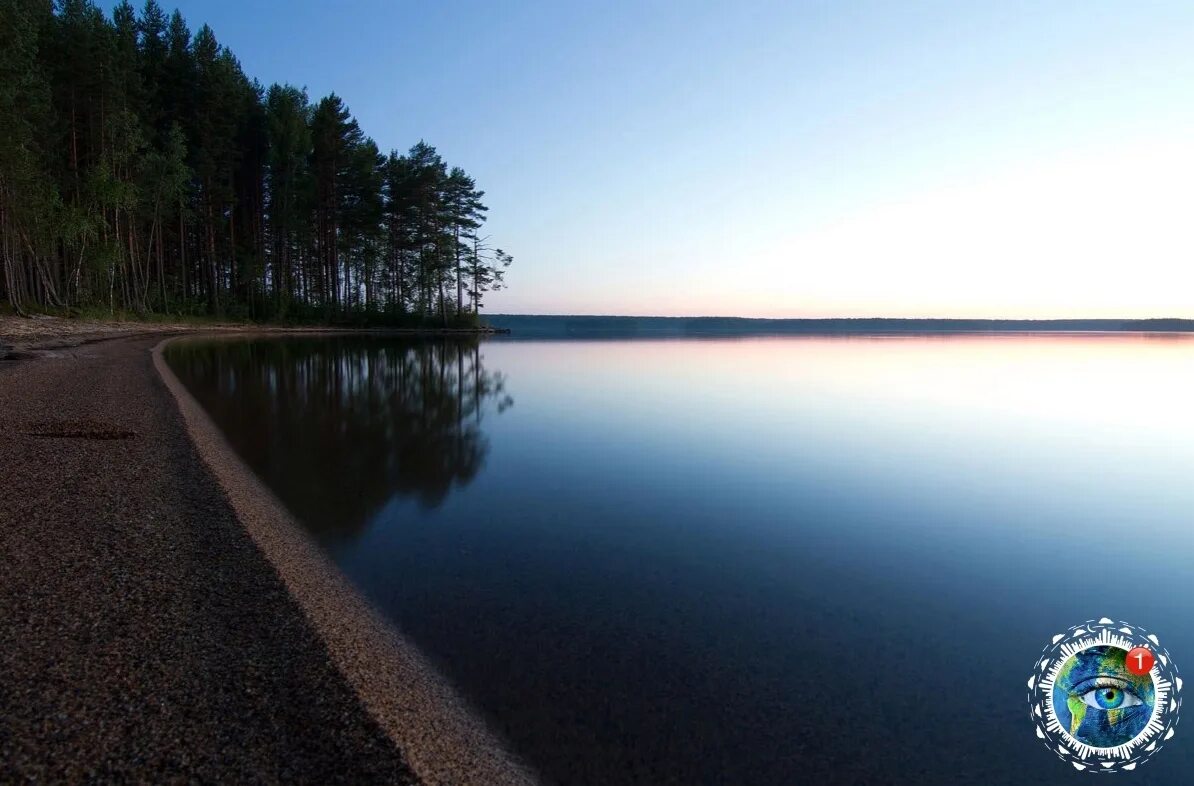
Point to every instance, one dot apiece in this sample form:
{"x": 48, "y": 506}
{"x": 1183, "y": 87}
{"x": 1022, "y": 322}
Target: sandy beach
{"x": 161, "y": 617}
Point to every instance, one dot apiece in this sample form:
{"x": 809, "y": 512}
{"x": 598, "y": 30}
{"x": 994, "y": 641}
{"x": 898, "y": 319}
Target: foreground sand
{"x": 145, "y": 635}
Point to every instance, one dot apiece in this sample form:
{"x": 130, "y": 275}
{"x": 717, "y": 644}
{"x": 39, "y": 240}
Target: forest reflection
{"x": 338, "y": 426}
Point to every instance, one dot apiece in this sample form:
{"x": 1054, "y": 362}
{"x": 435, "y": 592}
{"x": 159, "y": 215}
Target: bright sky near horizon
{"x": 921, "y": 159}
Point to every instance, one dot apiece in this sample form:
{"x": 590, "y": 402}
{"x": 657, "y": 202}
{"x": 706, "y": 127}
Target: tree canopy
{"x": 142, "y": 171}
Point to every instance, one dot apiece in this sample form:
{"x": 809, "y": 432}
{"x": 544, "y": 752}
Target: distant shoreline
{"x": 565, "y": 326}
{"x": 22, "y": 337}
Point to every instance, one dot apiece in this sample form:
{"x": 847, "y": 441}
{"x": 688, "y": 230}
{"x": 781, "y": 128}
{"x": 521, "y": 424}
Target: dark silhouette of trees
{"x": 142, "y": 171}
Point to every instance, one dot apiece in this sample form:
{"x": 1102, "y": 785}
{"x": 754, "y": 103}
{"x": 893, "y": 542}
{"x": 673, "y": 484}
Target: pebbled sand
{"x": 162, "y": 619}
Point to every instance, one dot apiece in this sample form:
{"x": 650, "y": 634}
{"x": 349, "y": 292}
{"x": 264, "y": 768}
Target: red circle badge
{"x": 1140, "y": 660}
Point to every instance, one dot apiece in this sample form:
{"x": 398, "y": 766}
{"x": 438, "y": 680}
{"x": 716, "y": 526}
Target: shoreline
{"x": 149, "y": 633}
{"x": 443, "y": 740}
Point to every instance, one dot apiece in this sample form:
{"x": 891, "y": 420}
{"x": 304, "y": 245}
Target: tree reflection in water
{"x": 338, "y": 426}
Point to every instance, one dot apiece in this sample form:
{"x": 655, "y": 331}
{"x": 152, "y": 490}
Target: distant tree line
{"x": 142, "y": 171}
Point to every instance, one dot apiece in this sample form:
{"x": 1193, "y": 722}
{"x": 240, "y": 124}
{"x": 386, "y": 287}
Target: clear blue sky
{"x": 784, "y": 158}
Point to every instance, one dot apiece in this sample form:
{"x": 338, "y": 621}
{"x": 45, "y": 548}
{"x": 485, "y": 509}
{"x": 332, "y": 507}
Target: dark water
{"x": 773, "y": 561}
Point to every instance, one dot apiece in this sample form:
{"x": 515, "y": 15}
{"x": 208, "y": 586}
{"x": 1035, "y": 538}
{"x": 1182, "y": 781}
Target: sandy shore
{"x": 162, "y": 619}
{"x": 24, "y": 338}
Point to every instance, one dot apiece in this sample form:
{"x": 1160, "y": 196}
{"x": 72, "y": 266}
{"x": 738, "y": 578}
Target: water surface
{"x": 772, "y": 561}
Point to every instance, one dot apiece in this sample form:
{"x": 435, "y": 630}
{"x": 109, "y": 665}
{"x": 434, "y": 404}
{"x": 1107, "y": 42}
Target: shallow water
{"x": 772, "y": 560}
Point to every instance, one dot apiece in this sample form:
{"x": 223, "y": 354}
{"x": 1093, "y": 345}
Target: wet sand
{"x": 162, "y": 619}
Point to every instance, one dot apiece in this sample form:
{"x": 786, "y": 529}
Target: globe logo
{"x": 1105, "y": 695}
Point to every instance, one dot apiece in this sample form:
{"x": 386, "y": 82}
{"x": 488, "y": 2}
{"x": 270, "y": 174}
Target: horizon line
{"x": 844, "y": 318}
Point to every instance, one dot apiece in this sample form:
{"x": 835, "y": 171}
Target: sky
{"x": 783, "y": 159}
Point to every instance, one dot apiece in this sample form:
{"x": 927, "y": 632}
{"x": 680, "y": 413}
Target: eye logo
{"x": 1105, "y": 696}
{"x": 1110, "y": 697}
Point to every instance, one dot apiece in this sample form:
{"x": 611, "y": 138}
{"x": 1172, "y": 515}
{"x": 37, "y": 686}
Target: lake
{"x": 749, "y": 561}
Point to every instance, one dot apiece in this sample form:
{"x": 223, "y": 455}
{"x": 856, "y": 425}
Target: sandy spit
{"x": 441, "y": 738}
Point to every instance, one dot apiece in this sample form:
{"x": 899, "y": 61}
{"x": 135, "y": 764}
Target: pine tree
{"x": 467, "y": 213}
{"x": 333, "y": 134}
{"x": 288, "y": 176}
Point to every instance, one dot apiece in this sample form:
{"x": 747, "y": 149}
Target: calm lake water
{"x": 753, "y": 561}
